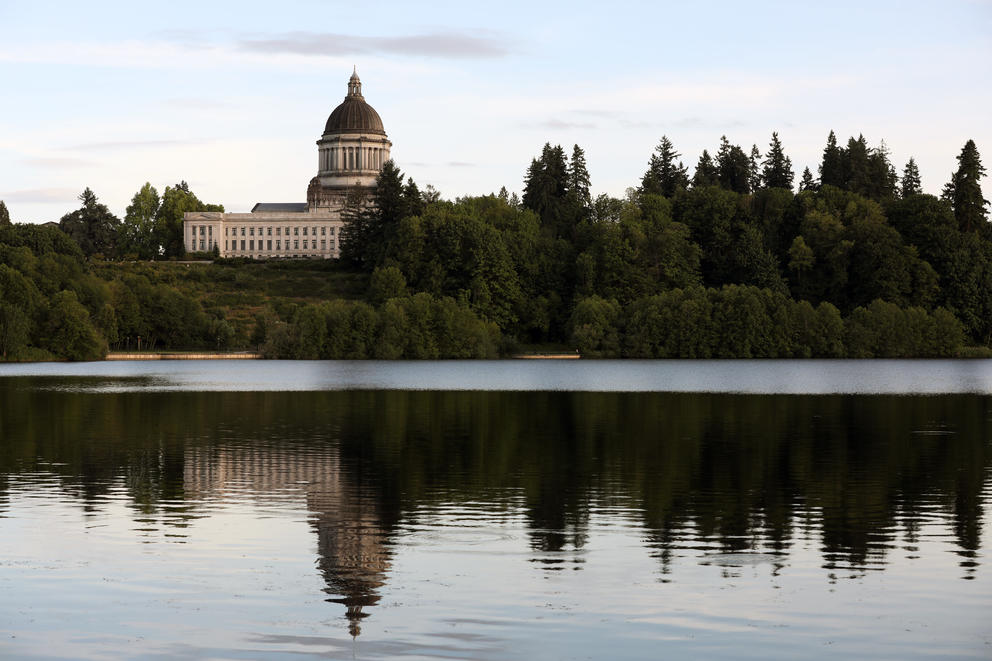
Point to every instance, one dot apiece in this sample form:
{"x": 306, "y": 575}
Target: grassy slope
{"x": 242, "y": 290}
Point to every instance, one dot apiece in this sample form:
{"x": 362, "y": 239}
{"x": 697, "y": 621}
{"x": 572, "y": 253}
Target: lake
{"x": 495, "y": 510}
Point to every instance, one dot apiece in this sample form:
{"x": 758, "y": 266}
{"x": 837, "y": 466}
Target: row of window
{"x": 208, "y": 230}
{"x": 307, "y": 244}
{"x": 267, "y": 231}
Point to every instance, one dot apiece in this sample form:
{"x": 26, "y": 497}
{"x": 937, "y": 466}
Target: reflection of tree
{"x": 724, "y": 472}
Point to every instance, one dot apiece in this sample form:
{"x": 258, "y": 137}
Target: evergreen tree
{"x": 706, "y": 173}
{"x": 664, "y": 175}
{"x": 578, "y": 179}
{"x": 777, "y": 167}
{"x": 92, "y": 226}
{"x": 857, "y": 174}
{"x": 911, "y": 184}
{"x": 965, "y": 190}
{"x": 734, "y": 167}
{"x": 4, "y": 214}
{"x": 545, "y": 187}
{"x": 807, "y": 182}
{"x": 755, "y": 177}
{"x": 883, "y": 180}
{"x": 832, "y": 166}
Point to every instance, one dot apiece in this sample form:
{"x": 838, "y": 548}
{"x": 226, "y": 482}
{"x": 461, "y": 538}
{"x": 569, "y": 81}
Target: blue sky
{"x": 231, "y": 97}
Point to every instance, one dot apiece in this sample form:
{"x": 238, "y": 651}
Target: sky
{"x": 232, "y": 97}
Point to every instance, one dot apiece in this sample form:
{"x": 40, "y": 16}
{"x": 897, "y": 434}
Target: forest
{"x": 734, "y": 261}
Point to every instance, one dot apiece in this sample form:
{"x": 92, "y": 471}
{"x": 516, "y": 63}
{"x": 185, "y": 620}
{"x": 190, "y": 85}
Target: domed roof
{"x": 354, "y": 115}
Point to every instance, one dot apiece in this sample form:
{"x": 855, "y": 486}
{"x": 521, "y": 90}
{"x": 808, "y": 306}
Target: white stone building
{"x": 350, "y": 154}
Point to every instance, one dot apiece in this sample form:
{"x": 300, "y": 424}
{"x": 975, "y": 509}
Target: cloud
{"x": 562, "y": 124}
{"x": 437, "y": 44}
{"x": 41, "y": 195}
{"x": 131, "y": 144}
{"x": 56, "y": 163}
{"x": 460, "y": 164}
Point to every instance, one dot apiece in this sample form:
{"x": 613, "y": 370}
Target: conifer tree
{"x": 664, "y": 175}
{"x": 832, "y": 166}
{"x": 911, "y": 184}
{"x": 755, "y": 177}
{"x": 578, "y": 178}
{"x": 545, "y": 187}
{"x": 4, "y": 214}
{"x": 92, "y": 226}
{"x": 965, "y": 191}
{"x": 857, "y": 175}
{"x": 807, "y": 182}
{"x": 883, "y": 182}
{"x": 777, "y": 167}
{"x": 734, "y": 167}
{"x": 706, "y": 173}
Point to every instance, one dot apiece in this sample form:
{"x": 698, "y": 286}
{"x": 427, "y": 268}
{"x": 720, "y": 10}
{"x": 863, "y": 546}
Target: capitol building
{"x": 350, "y": 153}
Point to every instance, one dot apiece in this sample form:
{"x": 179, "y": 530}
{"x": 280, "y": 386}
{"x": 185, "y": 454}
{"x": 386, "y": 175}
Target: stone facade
{"x": 350, "y": 154}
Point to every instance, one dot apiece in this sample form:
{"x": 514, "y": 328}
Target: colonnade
{"x": 352, "y": 158}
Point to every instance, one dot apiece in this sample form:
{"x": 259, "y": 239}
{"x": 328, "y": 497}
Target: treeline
{"x": 727, "y": 262}
{"x": 418, "y": 326}
{"x": 889, "y": 270}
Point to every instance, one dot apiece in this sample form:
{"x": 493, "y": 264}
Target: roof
{"x": 286, "y": 207}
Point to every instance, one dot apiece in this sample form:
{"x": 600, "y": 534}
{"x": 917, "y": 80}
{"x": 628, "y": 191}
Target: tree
{"x": 777, "y": 167}
{"x": 807, "y": 182}
{"x": 176, "y": 201}
{"x": 965, "y": 190}
{"x": 706, "y": 173}
{"x": 92, "y": 226}
{"x": 578, "y": 179}
{"x": 911, "y": 180}
{"x": 4, "y": 214}
{"x": 664, "y": 175}
{"x": 137, "y": 233}
{"x": 756, "y": 178}
{"x": 832, "y": 166}
{"x": 69, "y": 332}
{"x": 801, "y": 257}
{"x": 545, "y": 188}
{"x": 734, "y": 167}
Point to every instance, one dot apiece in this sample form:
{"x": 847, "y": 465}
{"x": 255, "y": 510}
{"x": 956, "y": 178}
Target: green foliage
{"x": 386, "y": 283}
{"x": 777, "y": 167}
{"x": 137, "y": 233}
{"x": 593, "y": 327}
{"x": 664, "y": 175}
{"x": 706, "y": 173}
{"x": 910, "y": 183}
{"x": 168, "y": 228}
{"x": 69, "y": 332}
{"x": 965, "y": 191}
{"x": 4, "y": 214}
{"x": 92, "y": 226}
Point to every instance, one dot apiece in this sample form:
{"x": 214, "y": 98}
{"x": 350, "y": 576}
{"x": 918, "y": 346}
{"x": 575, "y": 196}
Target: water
{"x": 575, "y": 509}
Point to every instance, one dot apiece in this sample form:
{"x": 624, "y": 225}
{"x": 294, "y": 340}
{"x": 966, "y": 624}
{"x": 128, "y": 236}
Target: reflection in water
{"x": 729, "y": 480}
{"x": 352, "y": 543}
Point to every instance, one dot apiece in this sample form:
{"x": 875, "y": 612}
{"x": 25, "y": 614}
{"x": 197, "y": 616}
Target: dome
{"x": 354, "y": 115}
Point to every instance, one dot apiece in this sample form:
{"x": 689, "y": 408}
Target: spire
{"x": 354, "y": 84}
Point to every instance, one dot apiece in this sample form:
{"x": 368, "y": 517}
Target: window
{"x": 304, "y": 231}
{"x": 278, "y": 244}
{"x": 202, "y": 246}
{"x": 278, "y": 231}
{"x": 296, "y": 231}
{"x": 210, "y": 230}
{"x": 296, "y": 244}
{"x": 251, "y": 231}
{"x": 251, "y": 244}
{"x": 323, "y": 244}
{"x": 323, "y": 231}
{"x": 269, "y": 246}
{"x": 242, "y": 232}
{"x": 225, "y": 244}
{"x": 332, "y": 231}
{"x": 305, "y": 242}
{"x": 203, "y": 230}
{"x": 242, "y": 241}
{"x": 225, "y": 233}
{"x": 269, "y": 233}
{"x": 313, "y": 231}
{"x": 332, "y": 244}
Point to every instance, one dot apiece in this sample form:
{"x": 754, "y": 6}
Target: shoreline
{"x": 241, "y": 355}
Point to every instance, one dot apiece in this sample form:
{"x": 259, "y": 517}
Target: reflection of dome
{"x": 354, "y": 115}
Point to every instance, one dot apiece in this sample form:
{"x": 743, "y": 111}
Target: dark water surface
{"x": 288, "y": 510}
